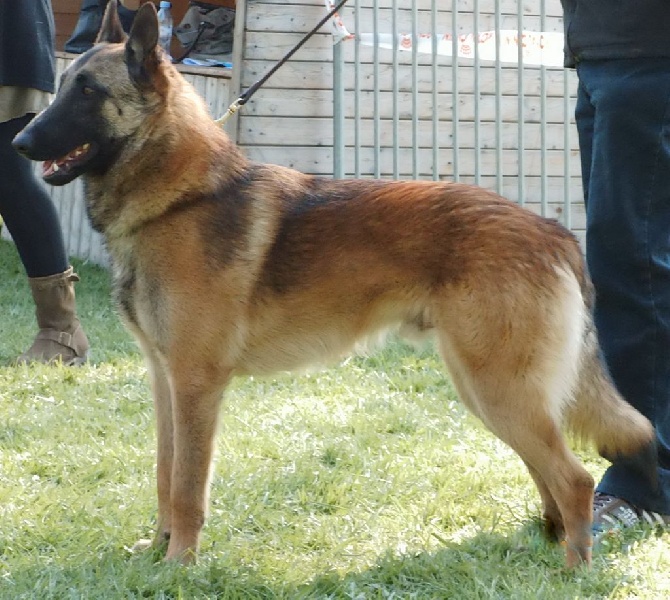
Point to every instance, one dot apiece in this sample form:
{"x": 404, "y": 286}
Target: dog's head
{"x": 103, "y": 98}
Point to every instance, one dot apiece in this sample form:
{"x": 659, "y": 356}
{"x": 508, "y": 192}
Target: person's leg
{"x": 623, "y": 116}
{"x": 32, "y": 221}
{"x": 27, "y": 209}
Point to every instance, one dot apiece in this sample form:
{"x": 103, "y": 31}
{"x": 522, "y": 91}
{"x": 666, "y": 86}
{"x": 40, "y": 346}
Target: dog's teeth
{"x": 55, "y": 167}
{"x": 85, "y": 147}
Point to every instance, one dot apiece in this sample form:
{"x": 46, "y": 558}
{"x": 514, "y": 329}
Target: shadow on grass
{"x": 487, "y": 565}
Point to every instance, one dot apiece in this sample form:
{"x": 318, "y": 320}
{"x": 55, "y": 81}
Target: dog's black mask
{"x": 71, "y": 137}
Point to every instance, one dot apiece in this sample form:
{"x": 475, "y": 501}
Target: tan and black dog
{"x": 225, "y": 267}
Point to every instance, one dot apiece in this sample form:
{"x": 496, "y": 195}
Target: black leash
{"x": 187, "y": 51}
{"x": 243, "y": 99}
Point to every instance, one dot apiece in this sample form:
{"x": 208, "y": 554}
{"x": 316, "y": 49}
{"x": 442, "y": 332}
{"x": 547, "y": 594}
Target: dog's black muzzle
{"x": 49, "y": 139}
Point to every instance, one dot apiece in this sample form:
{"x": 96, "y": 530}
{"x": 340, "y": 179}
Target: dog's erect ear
{"x": 111, "y": 30}
{"x": 142, "y": 56}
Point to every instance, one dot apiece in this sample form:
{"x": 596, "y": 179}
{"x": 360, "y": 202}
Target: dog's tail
{"x": 600, "y": 414}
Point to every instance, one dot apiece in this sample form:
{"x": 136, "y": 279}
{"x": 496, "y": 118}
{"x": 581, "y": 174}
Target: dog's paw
{"x": 141, "y": 546}
{"x": 159, "y": 542}
{"x": 185, "y": 557}
{"x": 553, "y": 527}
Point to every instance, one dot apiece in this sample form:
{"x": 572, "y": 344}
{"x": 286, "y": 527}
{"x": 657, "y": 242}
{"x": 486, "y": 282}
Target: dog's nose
{"x": 23, "y": 143}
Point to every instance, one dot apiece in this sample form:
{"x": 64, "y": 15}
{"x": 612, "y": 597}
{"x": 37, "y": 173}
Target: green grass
{"x": 368, "y": 480}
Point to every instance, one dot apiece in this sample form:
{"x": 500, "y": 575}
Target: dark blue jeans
{"x": 623, "y": 120}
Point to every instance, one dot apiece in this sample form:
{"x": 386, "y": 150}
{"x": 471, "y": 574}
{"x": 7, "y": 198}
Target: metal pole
{"x": 454, "y": 90}
{"x": 338, "y": 112}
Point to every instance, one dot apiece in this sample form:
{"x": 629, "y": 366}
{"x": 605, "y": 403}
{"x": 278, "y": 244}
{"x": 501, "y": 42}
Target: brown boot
{"x": 60, "y": 337}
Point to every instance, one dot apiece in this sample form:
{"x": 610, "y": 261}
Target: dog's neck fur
{"x": 159, "y": 155}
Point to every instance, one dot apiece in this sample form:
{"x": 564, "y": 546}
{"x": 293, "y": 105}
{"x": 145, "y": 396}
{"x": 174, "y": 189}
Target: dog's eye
{"x": 87, "y": 91}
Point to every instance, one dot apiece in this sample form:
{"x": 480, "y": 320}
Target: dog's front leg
{"x": 162, "y": 395}
{"x": 196, "y": 400}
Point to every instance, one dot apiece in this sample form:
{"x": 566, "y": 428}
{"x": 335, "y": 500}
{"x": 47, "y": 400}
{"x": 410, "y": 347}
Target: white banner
{"x": 537, "y": 48}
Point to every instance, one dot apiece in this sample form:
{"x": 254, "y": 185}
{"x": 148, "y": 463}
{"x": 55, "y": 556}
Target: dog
{"x": 224, "y": 267}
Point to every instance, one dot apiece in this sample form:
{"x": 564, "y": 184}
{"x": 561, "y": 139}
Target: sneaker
{"x": 610, "y": 513}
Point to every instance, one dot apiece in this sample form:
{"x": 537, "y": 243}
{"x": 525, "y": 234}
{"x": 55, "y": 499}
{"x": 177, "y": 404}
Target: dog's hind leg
{"x": 519, "y": 405}
{"x": 553, "y": 520}
{"x": 563, "y": 478}
{"x": 468, "y": 395}
{"x": 517, "y": 412}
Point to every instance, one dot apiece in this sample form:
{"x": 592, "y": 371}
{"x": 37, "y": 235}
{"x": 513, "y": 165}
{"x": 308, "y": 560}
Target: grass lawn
{"x": 368, "y": 480}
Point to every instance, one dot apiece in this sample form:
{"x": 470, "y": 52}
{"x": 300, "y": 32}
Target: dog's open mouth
{"x": 61, "y": 168}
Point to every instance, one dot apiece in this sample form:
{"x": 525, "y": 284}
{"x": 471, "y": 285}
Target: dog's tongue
{"x": 49, "y": 167}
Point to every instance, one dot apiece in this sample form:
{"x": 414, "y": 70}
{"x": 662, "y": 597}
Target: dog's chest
{"x": 139, "y": 297}
{"x": 124, "y": 289}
